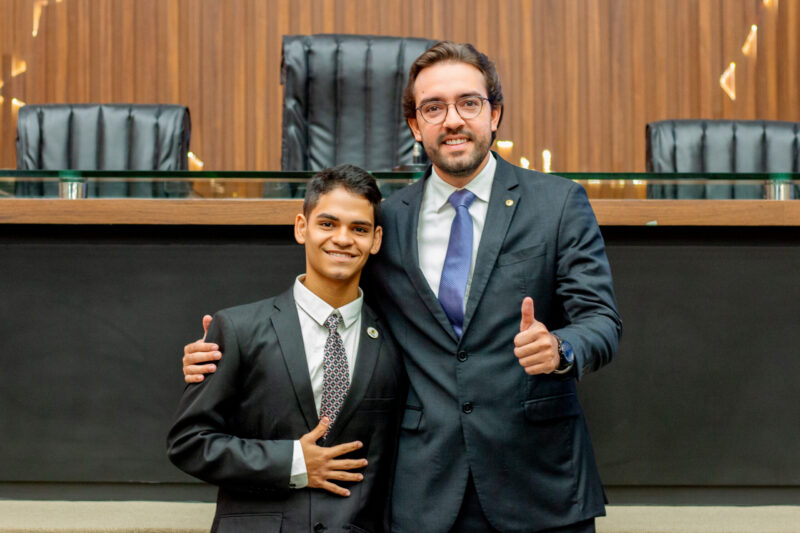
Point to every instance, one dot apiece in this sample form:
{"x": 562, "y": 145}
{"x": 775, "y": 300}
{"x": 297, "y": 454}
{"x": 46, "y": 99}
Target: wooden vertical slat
{"x": 581, "y": 77}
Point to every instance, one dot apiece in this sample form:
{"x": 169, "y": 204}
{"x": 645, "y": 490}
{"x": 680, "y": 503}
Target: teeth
{"x": 455, "y": 141}
{"x": 335, "y": 254}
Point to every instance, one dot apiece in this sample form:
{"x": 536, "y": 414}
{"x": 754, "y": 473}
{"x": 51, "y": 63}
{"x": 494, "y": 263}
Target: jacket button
{"x": 462, "y": 356}
{"x": 467, "y": 407}
{"x": 319, "y": 527}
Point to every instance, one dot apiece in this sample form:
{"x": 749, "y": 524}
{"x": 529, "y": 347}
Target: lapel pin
{"x": 509, "y": 202}
{"x": 372, "y": 332}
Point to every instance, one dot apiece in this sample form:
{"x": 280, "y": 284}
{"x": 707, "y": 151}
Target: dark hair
{"x": 457, "y": 53}
{"x": 350, "y": 177}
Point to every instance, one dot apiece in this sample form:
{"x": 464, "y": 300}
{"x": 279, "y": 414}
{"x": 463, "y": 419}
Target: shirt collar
{"x": 480, "y": 186}
{"x": 319, "y": 310}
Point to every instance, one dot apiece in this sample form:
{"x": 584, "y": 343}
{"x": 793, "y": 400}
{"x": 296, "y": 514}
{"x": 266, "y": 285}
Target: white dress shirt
{"x": 436, "y": 216}
{"x": 313, "y": 311}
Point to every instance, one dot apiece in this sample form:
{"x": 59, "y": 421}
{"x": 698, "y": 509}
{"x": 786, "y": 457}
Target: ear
{"x": 496, "y": 114}
{"x": 300, "y": 227}
{"x": 377, "y": 240}
{"x": 412, "y": 123}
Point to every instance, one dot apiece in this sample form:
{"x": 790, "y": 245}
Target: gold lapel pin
{"x": 509, "y": 202}
{"x": 372, "y": 332}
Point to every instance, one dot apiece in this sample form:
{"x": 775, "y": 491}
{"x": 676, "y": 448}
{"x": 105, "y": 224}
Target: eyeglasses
{"x": 467, "y": 107}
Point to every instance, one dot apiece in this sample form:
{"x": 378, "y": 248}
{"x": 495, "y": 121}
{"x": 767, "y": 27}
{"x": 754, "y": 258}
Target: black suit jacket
{"x": 236, "y": 428}
{"x": 471, "y": 407}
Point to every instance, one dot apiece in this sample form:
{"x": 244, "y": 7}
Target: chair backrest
{"x": 341, "y": 100}
{"x": 103, "y": 137}
{"x": 723, "y": 146}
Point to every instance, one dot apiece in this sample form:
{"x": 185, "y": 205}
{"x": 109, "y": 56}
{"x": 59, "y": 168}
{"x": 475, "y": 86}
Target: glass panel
{"x": 283, "y": 185}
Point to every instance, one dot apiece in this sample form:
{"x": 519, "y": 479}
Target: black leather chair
{"x": 104, "y": 137}
{"x": 720, "y": 146}
{"x": 341, "y": 100}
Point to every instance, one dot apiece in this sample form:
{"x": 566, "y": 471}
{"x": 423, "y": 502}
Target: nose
{"x": 342, "y": 237}
{"x": 452, "y": 120}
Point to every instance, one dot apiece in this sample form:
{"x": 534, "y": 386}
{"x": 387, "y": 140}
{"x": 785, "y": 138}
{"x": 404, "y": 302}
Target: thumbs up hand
{"x": 535, "y": 347}
{"x": 198, "y": 356}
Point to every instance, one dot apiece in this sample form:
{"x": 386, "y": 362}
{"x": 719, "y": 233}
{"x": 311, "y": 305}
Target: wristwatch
{"x": 566, "y": 357}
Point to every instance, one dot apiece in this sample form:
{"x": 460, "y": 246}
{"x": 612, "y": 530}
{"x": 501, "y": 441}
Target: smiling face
{"x": 458, "y": 148}
{"x": 339, "y": 235}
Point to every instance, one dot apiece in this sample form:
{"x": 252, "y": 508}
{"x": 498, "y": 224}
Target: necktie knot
{"x": 333, "y": 321}
{"x": 461, "y": 198}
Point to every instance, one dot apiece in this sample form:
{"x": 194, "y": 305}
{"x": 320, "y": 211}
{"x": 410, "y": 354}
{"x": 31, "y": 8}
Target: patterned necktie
{"x": 336, "y": 376}
{"x": 453, "y": 284}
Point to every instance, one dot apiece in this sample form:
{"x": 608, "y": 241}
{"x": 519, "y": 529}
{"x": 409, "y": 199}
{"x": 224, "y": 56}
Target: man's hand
{"x": 535, "y": 347}
{"x": 322, "y": 465}
{"x": 200, "y": 352}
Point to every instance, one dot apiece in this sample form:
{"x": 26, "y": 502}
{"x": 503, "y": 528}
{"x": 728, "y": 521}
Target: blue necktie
{"x": 453, "y": 284}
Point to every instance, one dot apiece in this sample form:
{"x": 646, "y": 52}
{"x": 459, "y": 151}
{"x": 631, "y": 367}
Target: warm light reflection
{"x": 546, "y": 158}
{"x": 15, "y": 103}
{"x": 2, "y": 100}
{"x": 1, "y": 84}
{"x": 728, "y": 81}
{"x": 769, "y": 3}
{"x": 750, "y": 46}
{"x": 37, "y": 14}
{"x": 524, "y": 163}
{"x": 194, "y": 162}
{"x": 505, "y": 144}
{"x": 18, "y": 67}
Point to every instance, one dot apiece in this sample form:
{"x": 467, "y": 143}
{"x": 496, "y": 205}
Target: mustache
{"x": 460, "y": 131}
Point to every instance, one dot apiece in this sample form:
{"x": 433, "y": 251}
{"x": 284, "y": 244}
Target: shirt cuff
{"x": 299, "y": 475}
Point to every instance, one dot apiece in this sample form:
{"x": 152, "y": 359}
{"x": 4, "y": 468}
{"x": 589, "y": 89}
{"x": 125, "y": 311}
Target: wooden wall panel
{"x": 580, "y": 77}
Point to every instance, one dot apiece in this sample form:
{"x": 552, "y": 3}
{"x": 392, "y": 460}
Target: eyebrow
{"x": 328, "y": 216}
{"x": 439, "y": 99}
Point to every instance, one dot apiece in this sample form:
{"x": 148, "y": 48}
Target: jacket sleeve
{"x": 584, "y": 286}
{"x": 201, "y": 442}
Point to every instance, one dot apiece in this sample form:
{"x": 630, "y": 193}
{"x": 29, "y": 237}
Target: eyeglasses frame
{"x": 447, "y": 105}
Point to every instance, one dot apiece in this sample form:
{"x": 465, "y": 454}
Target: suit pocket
{"x": 412, "y": 418}
{"x": 247, "y": 523}
{"x": 517, "y": 256}
{"x": 355, "y": 529}
{"x": 552, "y": 408}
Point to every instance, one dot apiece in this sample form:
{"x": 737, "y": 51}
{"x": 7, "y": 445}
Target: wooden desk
{"x": 610, "y": 212}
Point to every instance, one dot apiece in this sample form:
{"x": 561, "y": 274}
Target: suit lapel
{"x": 407, "y": 223}
{"x": 287, "y": 327}
{"x": 502, "y": 205}
{"x": 367, "y": 358}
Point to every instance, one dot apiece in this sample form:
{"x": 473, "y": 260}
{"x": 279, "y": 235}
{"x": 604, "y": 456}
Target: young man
{"x": 312, "y": 357}
{"x": 495, "y": 283}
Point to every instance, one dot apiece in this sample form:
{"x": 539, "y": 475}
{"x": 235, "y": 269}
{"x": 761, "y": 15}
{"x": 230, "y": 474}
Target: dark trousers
{"x": 472, "y": 520}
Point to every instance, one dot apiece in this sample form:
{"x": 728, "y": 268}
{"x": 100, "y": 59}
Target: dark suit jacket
{"x": 470, "y": 405}
{"x": 236, "y": 428}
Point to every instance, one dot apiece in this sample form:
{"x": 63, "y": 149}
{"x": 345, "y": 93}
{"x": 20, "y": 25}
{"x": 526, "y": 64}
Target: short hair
{"x": 448, "y": 51}
{"x": 350, "y": 177}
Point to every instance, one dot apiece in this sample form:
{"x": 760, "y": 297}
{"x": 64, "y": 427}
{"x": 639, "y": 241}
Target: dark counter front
{"x": 93, "y": 318}
{"x": 700, "y": 404}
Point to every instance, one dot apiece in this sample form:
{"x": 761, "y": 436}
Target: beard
{"x": 463, "y": 165}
